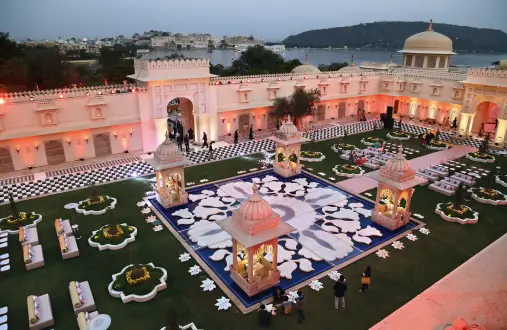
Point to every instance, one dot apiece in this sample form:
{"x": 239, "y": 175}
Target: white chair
{"x": 4, "y": 310}
{"x": 3, "y": 319}
{"x": 3, "y": 240}
{"x": 2, "y": 235}
{"x": 5, "y": 268}
{"x": 4, "y": 256}
{"x": 3, "y": 245}
{"x": 4, "y": 262}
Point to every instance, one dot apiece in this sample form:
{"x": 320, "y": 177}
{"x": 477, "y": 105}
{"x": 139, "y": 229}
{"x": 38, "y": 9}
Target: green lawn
{"x": 395, "y": 280}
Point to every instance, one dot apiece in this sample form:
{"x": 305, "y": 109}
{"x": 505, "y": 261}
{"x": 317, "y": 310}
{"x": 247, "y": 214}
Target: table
{"x": 70, "y": 206}
{"x": 100, "y": 322}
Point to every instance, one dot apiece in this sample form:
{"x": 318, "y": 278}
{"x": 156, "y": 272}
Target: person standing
{"x": 187, "y": 142}
{"x": 179, "y": 139}
{"x": 191, "y": 134}
{"x": 300, "y": 301}
{"x": 236, "y": 137}
{"x": 455, "y": 123}
{"x": 204, "y": 140}
{"x": 399, "y": 122}
{"x": 210, "y": 150}
{"x": 245, "y": 126}
{"x": 365, "y": 279}
{"x": 264, "y": 317}
{"x": 340, "y": 288}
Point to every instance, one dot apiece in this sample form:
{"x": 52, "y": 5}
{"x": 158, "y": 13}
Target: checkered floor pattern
{"x": 82, "y": 176}
{"x": 88, "y": 167}
{"x": 74, "y": 180}
{"x": 444, "y": 136}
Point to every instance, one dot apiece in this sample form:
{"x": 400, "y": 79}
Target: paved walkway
{"x": 475, "y": 291}
{"x": 364, "y": 183}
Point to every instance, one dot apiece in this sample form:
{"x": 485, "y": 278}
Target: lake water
{"x": 327, "y": 56}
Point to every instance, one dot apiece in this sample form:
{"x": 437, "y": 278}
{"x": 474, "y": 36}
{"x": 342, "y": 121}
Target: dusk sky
{"x": 270, "y": 20}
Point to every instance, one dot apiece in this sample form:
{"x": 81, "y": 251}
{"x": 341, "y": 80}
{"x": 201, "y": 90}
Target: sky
{"x": 270, "y": 20}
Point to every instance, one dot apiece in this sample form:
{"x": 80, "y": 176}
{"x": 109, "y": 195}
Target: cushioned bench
{"x": 28, "y": 236}
{"x": 466, "y": 179}
{"x": 443, "y": 188}
{"x": 432, "y": 176}
{"x": 68, "y": 246}
{"x": 63, "y": 227}
{"x": 83, "y": 302}
{"x": 40, "y": 315}
{"x": 33, "y": 256}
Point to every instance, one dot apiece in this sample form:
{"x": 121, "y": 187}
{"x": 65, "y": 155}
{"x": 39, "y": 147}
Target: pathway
{"x": 475, "y": 291}
{"x": 364, "y": 183}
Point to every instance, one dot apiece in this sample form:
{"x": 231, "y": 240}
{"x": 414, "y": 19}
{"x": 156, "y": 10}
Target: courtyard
{"x": 396, "y": 279}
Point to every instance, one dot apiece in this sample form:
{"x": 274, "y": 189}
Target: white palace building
{"x": 54, "y": 126}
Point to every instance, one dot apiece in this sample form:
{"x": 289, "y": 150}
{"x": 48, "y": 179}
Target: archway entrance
{"x": 413, "y": 109}
{"x": 6, "y": 164}
{"x": 54, "y": 152}
{"x": 102, "y": 145}
{"x": 244, "y": 125}
{"x": 321, "y": 112}
{"x": 341, "y": 110}
{"x": 486, "y": 112}
{"x": 180, "y": 116}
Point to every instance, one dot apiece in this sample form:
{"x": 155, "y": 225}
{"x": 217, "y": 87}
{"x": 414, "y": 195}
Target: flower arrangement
{"x": 312, "y": 156}
{"x": 348, "y": 170}
{"x": 340, "y": 147}
{"x": 16, "y": 219}
{"x": 138, "y": 282}
{"x": 371, "y": 140}
{"x": 398, "y": 135}
{"x": 457, "y": 213}
{"x": 113, "y": 236}
{"x": 436, "y": 145}
{"x": 137, "y": 274}
{"x": 488, "y": 196}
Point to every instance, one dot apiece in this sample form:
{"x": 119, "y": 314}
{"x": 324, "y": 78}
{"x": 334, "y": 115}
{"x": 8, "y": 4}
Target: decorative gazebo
{"x": 255, "y": 229}
{"x": 288, "y": 148}
{"x": 395, "y": 188}
{"x": 168, "y": 163}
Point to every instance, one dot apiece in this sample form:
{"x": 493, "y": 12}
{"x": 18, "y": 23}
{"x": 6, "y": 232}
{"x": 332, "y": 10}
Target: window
{"x": 419, "y": 61}
{"x": 432, "y": 62}
{"x": 442, "y": 65}
{"x": 414, "y": 88}
{"x": 456, "y": 94}
{"x": 345, "y": 88}
{"x": 364, "y": 86}
{"x": 48, "y": 118}
{"x": 98, "y": 112}
{"x": 245, "y": 97}
{"x": 408, "y": 60}
{"x": 386, "y": 85}
{"x": 323, "y": 89}
{"x": 435, "y": 91}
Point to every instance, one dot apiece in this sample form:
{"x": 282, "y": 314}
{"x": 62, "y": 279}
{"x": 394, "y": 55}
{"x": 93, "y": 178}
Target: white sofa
{"x": 426, "y": 173}
{"x": 372, "y": 163}
{"x": 45, "y": 318}
{"x": 466, "y": 179}
{"x": 443, "y": 188}
{"x": 35, "y": 259}
{"x": 451, "y": 181}
{"x": 72, "y": 249}
{"x": 32, "y": 237}
{"x": 78, "y": 290}
{"x": 440, "y": 170}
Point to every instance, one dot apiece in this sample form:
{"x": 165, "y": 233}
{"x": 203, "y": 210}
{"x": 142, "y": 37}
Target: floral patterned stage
{"x": 332, "y": 226}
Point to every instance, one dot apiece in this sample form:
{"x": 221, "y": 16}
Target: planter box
{"x": 465, "y": 221}
{"x": 112, "y": 205}
{"x": 480, "y": 160}
{"x": 32, "y": 225}
{"x": 137, "y": 298}
{"x": 489, "y": 201}
{"x": 113, "y": 247}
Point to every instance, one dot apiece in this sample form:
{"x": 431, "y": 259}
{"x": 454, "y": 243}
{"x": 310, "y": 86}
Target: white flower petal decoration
{"x": 146, "y": 210}
{"x": 188, "y": 184}
{"x": 412, "y": 237}
{"x": 223, "y": 304}
{"x": 194, "y": 270}
{"x": 316, "y": 285}
{"x": 335, "y": 276}
{"x": 204, "y": 180}
{"x": 158, "y": 228}
{"x": 398, "y": 245}
{"x": 151, "y": 219}
{"x": 184, "y": 257}
{"x": 331, "y": 178}
{"x": 293, "y": 295}
{"x": 141, "y": 203}
{"x": 253, "y": 169}
{"x": 149, "y": 193}
{"x": 309, "y": 169}
{"x": 208, "y": 285}
{"x": 368, "y": 194}
{"x": 322, "y": 173}
{"x": 424, "y": 231}
{"x": 382, "y": 253}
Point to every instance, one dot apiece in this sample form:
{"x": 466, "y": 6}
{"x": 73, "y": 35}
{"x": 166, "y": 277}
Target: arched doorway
{"x": 432, "y": 112}
{"x": 321, "y": 112}
{"x": 486, "y": 112}
{"x": 180, "y": 116}
{"x": 360, "y": 105}
{"x": 413, "y": 109}
{"x": 102, "y": 144}
{"x": 341, "y": 110}
{"x": 244, "y": 125}
{"x": 454, "y": 114}
{"x": 6, "y": 164}
{"x": 54, "y": 152}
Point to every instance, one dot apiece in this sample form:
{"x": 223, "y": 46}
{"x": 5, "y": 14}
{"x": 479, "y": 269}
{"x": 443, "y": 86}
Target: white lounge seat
{"x": 37, "y": 259}
{"x": 3, "y": 234}
{"x": 4, "y": 326}
{"x": 5, "y": 269}
{"x": 3, "y": 319}
{"x": 32, "y": 237}
{"x": 86, "y": 292}
{"x": 3, "y": 240}
{"x": 4, "y": 310}
{"x": 4, "y": 256}
{"x": 72, "y": 249}
{"x": 4, "y": 262}
{"x": 3, "y": 245}
{"x": 46, "y": 314}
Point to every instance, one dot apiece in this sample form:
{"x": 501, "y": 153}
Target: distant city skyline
{"x": 268, "y": 20}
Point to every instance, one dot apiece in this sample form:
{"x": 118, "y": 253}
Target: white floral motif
{"x": 316, "y": 285}
{"x": 398, "y": 245}
{"x": 335, "y": 276}
{"x": 412, "y": 237}
{"x": 158, "y": 228}
{"x": 141, "y": 203}
{"x": 424, "y": 231}
{"x": 146, "y": 210}
{"x": 382, "y": 253}
{"x": 188, "y": 184}
{"x": 151, "y": 219}
{"x": 293, "y": 295}
{"x": 184, "y": 257}
{"x": 208, "y": 285}
{"x": 223, "y": 304}
{"x": 368, "y": 194}
{"x": 204, "y": 180}
{"x": 322, "y": 173}
{"x": 194, "y": 270}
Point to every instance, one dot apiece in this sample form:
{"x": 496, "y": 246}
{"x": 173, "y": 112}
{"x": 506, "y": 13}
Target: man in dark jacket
{"x": 300, "y": 301}
{"x": 264, "y": 317}
{"x": 339, "y": 293}
{"x": 187, "y": 142}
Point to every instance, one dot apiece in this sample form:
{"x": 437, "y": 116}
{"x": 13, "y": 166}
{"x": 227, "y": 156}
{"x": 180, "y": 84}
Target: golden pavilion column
{"x": 275, "y": 254}
{"x": 250, "y": 265}
{"x": 500, "y": 131}
{"x": 235, "y": 254}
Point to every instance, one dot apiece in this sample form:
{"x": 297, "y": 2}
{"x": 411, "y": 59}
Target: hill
{"x": 392, "y": 35}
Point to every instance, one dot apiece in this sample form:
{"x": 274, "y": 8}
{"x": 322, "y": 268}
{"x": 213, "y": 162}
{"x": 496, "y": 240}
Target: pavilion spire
{"x": 430, "y": 27}
{"x": 306, "y": 59}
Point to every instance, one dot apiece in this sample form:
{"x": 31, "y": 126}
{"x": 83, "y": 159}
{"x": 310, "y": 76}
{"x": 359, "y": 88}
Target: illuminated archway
{"x": 454, "y": 114}
{"x": 432, "y": 112}
{"x": 413, "y": 109}
{"x": 486, "y": 112}
{"x": 386, "y": 202}
{"x": 180, "y": 116}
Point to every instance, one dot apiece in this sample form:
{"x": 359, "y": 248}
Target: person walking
{"x": 264, "y": 317}
{"x": 210, "y": 150}
{"x": 340, "y": 288}
{"x": 236, "y": 137}
{"x": 365, "y": 279}
{"x": 187, "y": 142}
{"x": 204, "y": 140}
{"x": 300, "y": 301}
{"x": 179, "y": 139}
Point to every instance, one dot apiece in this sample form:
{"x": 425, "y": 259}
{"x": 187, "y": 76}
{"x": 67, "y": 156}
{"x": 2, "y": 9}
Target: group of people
{"x": 282, "y": 302}
{"x": 426, "y": 138}
{"x": 447, "y": 123}
{"x": 183, "y": 139}
{"x": 361, "y": 115}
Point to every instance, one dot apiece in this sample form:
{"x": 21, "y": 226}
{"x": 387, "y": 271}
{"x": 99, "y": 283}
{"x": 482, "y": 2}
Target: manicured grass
{"x": 395, "y": 280}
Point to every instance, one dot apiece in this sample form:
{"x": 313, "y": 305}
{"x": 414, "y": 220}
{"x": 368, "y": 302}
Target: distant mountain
{"x": 392, "y": 35}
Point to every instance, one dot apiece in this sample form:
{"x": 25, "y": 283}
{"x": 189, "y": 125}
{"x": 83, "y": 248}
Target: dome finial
{"x": 430, "y": 27}
{"x": 288, "y": 119}
{"x": 352, "y": 62}
{"x": 391, "y": 59}
{"x": 400, "y": 149}
{"x": 255, "y": 189}
{"x": 306, "y": 59}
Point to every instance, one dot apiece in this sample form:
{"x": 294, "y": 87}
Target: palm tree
{"x": 298, "y": 105}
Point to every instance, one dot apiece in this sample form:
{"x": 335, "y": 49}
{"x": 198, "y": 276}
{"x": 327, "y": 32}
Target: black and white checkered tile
{"x": 74, "y": 180}
{"x": 55, "y": 183}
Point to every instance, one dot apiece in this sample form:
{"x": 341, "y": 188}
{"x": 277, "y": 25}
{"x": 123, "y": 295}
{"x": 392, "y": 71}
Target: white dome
{"x": 503, "y": 64}
{"x": 167, "y": 151}
{"x": 428, "y": 42}
{"x": 305, "y": 68}
{"x": 255, "y": 208}
{"x": 398, "y": 163}
{"x": 288, "y": 128}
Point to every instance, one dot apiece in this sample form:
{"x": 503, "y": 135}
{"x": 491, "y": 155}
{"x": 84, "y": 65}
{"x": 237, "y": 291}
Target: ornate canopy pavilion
{"x": 288, "y": 141}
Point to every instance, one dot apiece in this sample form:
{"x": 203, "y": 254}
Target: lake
{"x": 327, "y": 56}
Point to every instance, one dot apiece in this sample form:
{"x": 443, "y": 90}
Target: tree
{"x": 298, "y": 105}
{"x": 483, "y": 148}
{"x": 165, "y": 34}
{"x": 14, "y": 208}
{"x": 179, "y": 46}
{"x": 113, "y": 64}
{"x": 250, "y": 134}
{"x": 458, "y": 197}
{"x": 188, "y": 47}
{"x": 335, "y": 66}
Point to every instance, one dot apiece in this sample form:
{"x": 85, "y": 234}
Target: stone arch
{"x": 321, "y": 112}
{"x": 360, "y": 105}
{"x": 180, "y": 116}
{"x": 486, "y": 112}
{"x": 98, "y": 113}
{"x": 102, "y": 144}
{"x": 6, "y": 164}
{"x": 453, "y": 114}
{"x": 413, "y": 109}
{"x": 54, "y": 152}
{"x": 432, "y": 112}
{"x": 342, "y": 108}
{"x": 244, "y": 125}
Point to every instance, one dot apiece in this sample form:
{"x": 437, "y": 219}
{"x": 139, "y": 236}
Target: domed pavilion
{"x": 255, "y": 229}
{"x": 394, "y": 191}
{"x": 427, "y": 50}
{"x": 168, "y": 163}
{"x": 288, "y": 141}
{"x": 305, "y": 68}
